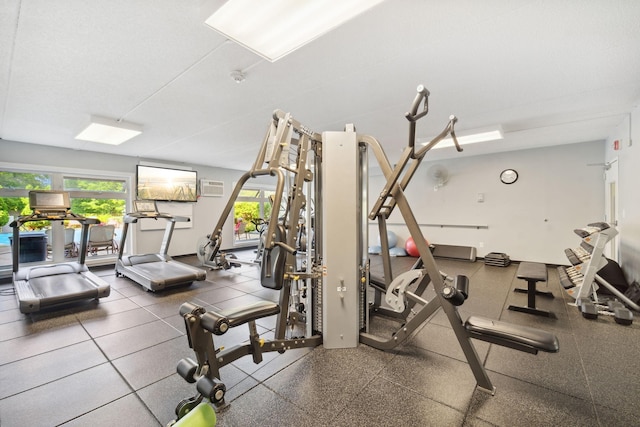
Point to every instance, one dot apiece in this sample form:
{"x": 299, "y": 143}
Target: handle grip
{"x": 413, "y": 115}
{"x": 287, "y": 248}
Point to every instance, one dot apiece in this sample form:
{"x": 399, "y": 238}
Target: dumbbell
{"x": 587, "y": 308}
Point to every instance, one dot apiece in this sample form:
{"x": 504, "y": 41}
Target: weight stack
{"x": 497, "y": 259}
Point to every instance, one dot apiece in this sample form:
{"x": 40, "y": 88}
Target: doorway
{"x": 611, "y": 205}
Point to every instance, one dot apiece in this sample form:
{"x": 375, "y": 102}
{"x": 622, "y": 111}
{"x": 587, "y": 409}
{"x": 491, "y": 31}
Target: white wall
{"x": 628, "y": 155}
{"x": 532, "y": 219}
{"x": 206, "y": 213}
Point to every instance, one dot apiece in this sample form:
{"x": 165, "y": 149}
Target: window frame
{"x": 58, "y": 175}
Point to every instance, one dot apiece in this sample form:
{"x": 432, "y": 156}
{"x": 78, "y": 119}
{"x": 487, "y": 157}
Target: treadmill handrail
{"x": 68, "y": 216}
{"x": 133, "y": 217}
{"x": 50, "y": 270}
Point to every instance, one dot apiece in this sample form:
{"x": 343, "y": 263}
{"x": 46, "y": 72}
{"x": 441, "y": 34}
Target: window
{"x": 14, "y": 193}
{"x": 97, "y": 197}
{"x": 14, "y": 201}
{"x": 251, "y": 208}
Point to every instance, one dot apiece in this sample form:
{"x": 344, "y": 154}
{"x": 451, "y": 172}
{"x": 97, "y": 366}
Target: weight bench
{"x": 532, "y": 272}
{"x": 517, "y": 337}
{"x": 522, "y": 338}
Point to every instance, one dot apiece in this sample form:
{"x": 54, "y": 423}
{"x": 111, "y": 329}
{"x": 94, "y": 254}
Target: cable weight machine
{"x": 335, "y": 275}
{"x": 347, "y": 281}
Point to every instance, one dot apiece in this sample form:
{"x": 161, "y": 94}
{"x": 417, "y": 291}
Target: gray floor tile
{"x": 166, "y": 309}
{"x": 10, "y": 315}
{"x": 162, "y": 397}
{"x": 107, "y": 307}
{"x": 176, "y": 321}
{"x": 98, "y": 327}
{"x": 34, "y": 324}
{"x": 521, "y": 403}
{"x": 262, "y": 407}
{"x": 276, "y": 362}
{"x": 622, "y": 415}
{"x": 40, "y": 342}
{"x": 126, "y": 411}
{"x": 154, "y": 363}
{"x": 135, "y": 339}
{"x": 560, "y": 371}
{"x": 48, "y": 406}
{"x": 323, "y": 381}
{"x": 216, "y": 295}
{"x": 239, "y": 301}
{"x": 616, "y": 389}
{"x": 437, "y": 377}
{"x": 442, "y": 340}
{"x": 384, "y": 403}
{"x": 28, "y": 373}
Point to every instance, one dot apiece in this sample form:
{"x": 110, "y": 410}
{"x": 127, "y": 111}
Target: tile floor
{"x": 113, "y": 363}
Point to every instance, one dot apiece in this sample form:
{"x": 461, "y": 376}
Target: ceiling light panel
{"x": 109, "y": 131}
{"x": 275, "y": 28}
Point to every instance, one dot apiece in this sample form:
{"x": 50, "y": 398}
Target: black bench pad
{"x": 532, "y": 271}
{"x": 518, "y": 337}
{"x": 258, "y": 310}
{"x": 240, "y": 315}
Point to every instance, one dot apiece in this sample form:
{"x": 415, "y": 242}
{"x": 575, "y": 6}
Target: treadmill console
{"x": 145, "y": 207}
{"x": 49, "y": 202}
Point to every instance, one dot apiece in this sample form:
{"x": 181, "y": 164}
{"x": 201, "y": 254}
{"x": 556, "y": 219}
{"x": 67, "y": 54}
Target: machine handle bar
{"x": 448, "y": 130}
{"x": 286, "y": 247}
{"x": 413, "y": 115}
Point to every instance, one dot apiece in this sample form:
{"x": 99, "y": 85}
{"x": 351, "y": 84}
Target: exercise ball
{"x": 392, "y": 238}
{"x": 375, "y": 250}
{"x": 397, "y": 252}
{"x": 411, "y": 248}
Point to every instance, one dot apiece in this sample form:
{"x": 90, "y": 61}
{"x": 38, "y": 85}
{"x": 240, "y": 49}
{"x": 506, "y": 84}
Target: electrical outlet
{"x": 481, "y": 244}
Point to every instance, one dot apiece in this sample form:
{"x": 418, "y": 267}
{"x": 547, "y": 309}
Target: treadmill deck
{"x": 47, "y": 291}
{"x": 161, "y": 274}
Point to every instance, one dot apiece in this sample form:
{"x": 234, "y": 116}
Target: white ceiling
{"x": 550, "y": 72}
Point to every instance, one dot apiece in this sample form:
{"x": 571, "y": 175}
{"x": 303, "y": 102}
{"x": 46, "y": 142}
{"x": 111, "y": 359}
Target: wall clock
{"x": 508, "y": 176}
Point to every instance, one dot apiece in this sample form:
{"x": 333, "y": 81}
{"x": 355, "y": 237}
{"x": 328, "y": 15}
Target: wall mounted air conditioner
{"x": 211, "y": 188}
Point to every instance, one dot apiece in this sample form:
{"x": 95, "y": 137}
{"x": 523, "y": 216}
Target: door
{"x": 611, "y": 206}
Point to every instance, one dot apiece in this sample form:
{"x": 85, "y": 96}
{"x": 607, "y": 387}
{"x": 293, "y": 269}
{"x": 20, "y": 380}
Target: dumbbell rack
{"x": 581, "y": 280}
{"x": 588, "y": 258}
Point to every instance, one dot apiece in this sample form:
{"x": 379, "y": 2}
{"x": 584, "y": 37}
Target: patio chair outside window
{"x": 241, "y": 229}
{"x": 101, "y": 238}
{"x": 70, "y": 246}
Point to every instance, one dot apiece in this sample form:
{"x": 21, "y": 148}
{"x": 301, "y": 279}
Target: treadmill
{"x": 43, "y": 286}
{"x": 155, "y": 271}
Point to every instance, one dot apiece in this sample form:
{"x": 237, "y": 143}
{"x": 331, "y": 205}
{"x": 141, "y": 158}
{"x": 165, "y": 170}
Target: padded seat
{"x": 518, "y": 337}
{"x": 212, "y": 320}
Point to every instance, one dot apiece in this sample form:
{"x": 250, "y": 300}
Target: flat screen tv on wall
{"x": 165, "y": 184}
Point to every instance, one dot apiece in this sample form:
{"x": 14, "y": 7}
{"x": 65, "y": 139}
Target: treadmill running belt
{"x": 167, "y": 273}
{"x": 61, "y": 288}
